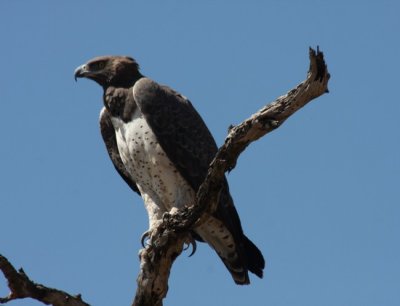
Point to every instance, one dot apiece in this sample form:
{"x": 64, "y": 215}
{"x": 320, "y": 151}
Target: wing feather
{"x": 179, "y": 129}
{"x": 189, "y": 145}
{"x": 108, "y": 134}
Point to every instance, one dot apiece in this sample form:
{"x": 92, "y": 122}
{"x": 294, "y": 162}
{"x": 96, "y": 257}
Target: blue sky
{"x": 319, "y": 196}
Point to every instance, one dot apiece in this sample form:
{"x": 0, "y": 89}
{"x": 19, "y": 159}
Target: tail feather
{"x": 239, "y": 274}
{"x": 239, "y": 257}
{"x": 255, "y": 259}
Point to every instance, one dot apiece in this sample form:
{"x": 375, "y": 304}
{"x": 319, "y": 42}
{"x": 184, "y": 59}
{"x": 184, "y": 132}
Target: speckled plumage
{"x": 160, "y": 184}
{"x": 162, "y": 148}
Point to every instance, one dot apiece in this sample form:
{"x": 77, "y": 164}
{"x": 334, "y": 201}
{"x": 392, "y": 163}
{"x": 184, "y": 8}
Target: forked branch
{"x": 167, "y": 244}
{"x": 22, "y": 287}
{"x": 173, "y": 232}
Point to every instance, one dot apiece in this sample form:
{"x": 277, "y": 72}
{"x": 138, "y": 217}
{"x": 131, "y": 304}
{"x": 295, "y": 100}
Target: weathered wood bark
{"x": 172, "y": 233}
{"x": 167, "y": 242}
{"x": 22, "y": 287}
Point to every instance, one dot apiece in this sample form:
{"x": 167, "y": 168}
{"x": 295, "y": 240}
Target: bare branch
{"x": 171, "y": 234}
{"x": 22, "y": 287}
{"x": 168, "y": 241}
{"x": 155, "y": 264}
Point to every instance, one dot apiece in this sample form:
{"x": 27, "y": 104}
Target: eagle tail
{"x": 255, "y": 263}
{"x": 238, "y": 258}
{"x": 239, "y": 273}
{"x": 255, "y": 259}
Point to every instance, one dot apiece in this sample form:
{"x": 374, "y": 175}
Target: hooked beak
{"x": 81, "y": 72}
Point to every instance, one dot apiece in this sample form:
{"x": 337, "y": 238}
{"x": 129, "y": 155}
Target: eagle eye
{"x": 97, "y": 65}
{"x": 100, "y": 65}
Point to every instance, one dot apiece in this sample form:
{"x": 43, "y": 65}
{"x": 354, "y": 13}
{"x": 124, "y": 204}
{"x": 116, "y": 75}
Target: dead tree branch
{"x": 167, "y": 244}
{"x": 171, "y": 235}
{"x": 22, "y": 287}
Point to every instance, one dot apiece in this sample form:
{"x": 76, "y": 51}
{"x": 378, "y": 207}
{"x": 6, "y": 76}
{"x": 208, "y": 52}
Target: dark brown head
{"x": 119, "y": 71}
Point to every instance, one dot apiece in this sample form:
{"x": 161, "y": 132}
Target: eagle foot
{"x": 155, "y": 231}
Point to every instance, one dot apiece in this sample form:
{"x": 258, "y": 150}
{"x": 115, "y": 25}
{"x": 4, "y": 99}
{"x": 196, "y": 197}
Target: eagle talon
{"x": 192, "y": 243}
{"x": 146, "y": 236}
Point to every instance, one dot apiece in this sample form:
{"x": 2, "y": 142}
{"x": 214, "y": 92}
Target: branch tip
{"x": 239, "y": 137}
{"x": 22, "y": 287}
{"x": 168, "y": 239}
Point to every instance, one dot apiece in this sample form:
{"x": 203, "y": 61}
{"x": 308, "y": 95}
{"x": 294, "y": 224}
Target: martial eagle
{"x": 162, "y": 148}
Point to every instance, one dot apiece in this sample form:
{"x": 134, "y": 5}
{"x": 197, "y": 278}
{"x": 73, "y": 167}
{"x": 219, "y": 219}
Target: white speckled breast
{"x": 155, "y": 175}
{"x": 160, "y": 184}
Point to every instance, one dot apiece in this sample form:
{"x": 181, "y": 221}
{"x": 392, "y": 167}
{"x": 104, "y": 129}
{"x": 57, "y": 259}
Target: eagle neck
{"x": 119, "y": 102}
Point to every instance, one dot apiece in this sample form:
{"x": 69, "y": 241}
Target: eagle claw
{"x": 192, "y": 243}
{"x": 146, "y": 236}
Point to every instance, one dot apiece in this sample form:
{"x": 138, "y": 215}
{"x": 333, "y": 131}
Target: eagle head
{"x": 122, "y": 71}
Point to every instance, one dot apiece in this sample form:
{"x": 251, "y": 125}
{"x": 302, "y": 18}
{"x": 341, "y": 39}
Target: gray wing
{"x": 189, "y": 145}
{"x": 108, "y": 134}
